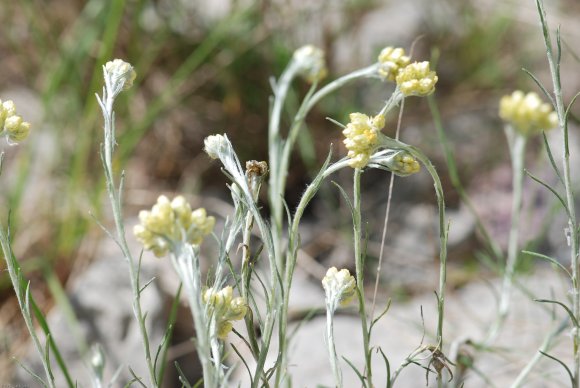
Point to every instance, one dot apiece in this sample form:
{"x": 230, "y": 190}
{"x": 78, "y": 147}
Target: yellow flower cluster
{"x": 417, "y": 79}
{"x": 361, "y": 137}
{"x": 527, "y": 113}
{"x": 121, "y": 71}
{"x": 311, "y": 63}
{"x": 391, "y": 61}
{"x": 171, "y": 222}
{"x": 404, "y": 163}
{"x": 339, "y": 286}
{"x": 11, "y": 125}
{"x": 224, "y": 308}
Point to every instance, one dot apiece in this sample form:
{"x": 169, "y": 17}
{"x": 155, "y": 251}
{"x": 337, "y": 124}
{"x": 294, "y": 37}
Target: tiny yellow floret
{"x": 527, "y": 113}
{"x": 361, "y": 137}
{"x": 169, "y": 223}
{"x": 224, "y": 308}
{"x": 417, "y": 79}
{"x": 391, "y": 61}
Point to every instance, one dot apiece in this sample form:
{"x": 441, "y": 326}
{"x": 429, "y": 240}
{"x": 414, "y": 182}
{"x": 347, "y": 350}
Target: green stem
{"x": 23, "y": 297}
{"x": 279, "y": 157}
{"x": 419, "y": 155}
{"x": 331, "y": 347}
{"x": 115, "y": 200}
{"x": 359, "y": 264}
{"x": 573, "y": 237}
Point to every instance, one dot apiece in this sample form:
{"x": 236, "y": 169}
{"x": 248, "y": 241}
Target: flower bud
{"x": 311, "y": 63}
{"x": 215, "y": 145}
{"x": 120, "y": 71}
{"x": 339, "y": 286}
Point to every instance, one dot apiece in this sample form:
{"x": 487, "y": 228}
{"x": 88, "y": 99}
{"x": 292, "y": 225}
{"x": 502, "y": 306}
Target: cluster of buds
{"x": 399, "y": 162}
{"x": 11, "y": 125}
{"x": 339, "y": 287}
{"x": 416, "y": 79}
{"x": 120, "y": 74}
{"x": 361, "y": 137}
{"x": 391, "y": 61}
{"x": 224, "y": 308}
{"x": 170, "y": 223}
{"x": 311, "y": 63}
{"x": 527, "y": 113}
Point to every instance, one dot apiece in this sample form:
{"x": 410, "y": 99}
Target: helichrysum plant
{"x": 234, "y": 289}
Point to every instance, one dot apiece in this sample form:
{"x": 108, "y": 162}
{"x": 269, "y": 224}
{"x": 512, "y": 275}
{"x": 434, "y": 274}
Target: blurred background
{"x": 203, "y": 67}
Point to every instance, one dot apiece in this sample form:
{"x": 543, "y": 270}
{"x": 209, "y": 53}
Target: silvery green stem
{"x": 517, "y": 145}
{"x": 309, "y": 102}
{"x": 294, "y": 241}
{"x": 279, "y": 156}
{"x": 421, "y": 157}
{"x": 359, "y": 263}
{"x": 186, "y": 264}
{"x": 572, "y": 233}
{"x": 23, "y": 297}
{"x": 331, "y": 346}
{"x": 106, "y": 104}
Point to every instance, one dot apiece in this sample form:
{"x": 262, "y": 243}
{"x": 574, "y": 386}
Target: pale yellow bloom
{"x": 392, "y": 60}
{"x": 339, "y": 286}
{"x": 121, "y": 71}
{"x": 11, "y": 125}
{"x": 311, "y": 63}
{"x": 527, "y": 113}
{"x": 417, "y": 79}
{"x": 172, "y": 222}
{"x": 224, "y": 308}
{"x": 361, "y": 137}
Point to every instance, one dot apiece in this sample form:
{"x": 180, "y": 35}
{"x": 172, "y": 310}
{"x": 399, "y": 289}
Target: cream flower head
{"x": 417, "y": 79}
{"x": 169, "y": 223}
{"x": 391, "y": 61}
{"x": 361, "y": 137}
{"x": 527, "y": 113}
{"x": 339, "y": 287}
{"x": 11, "y": 125}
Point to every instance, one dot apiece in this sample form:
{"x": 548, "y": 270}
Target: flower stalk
{"x": 118, "y": 75}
